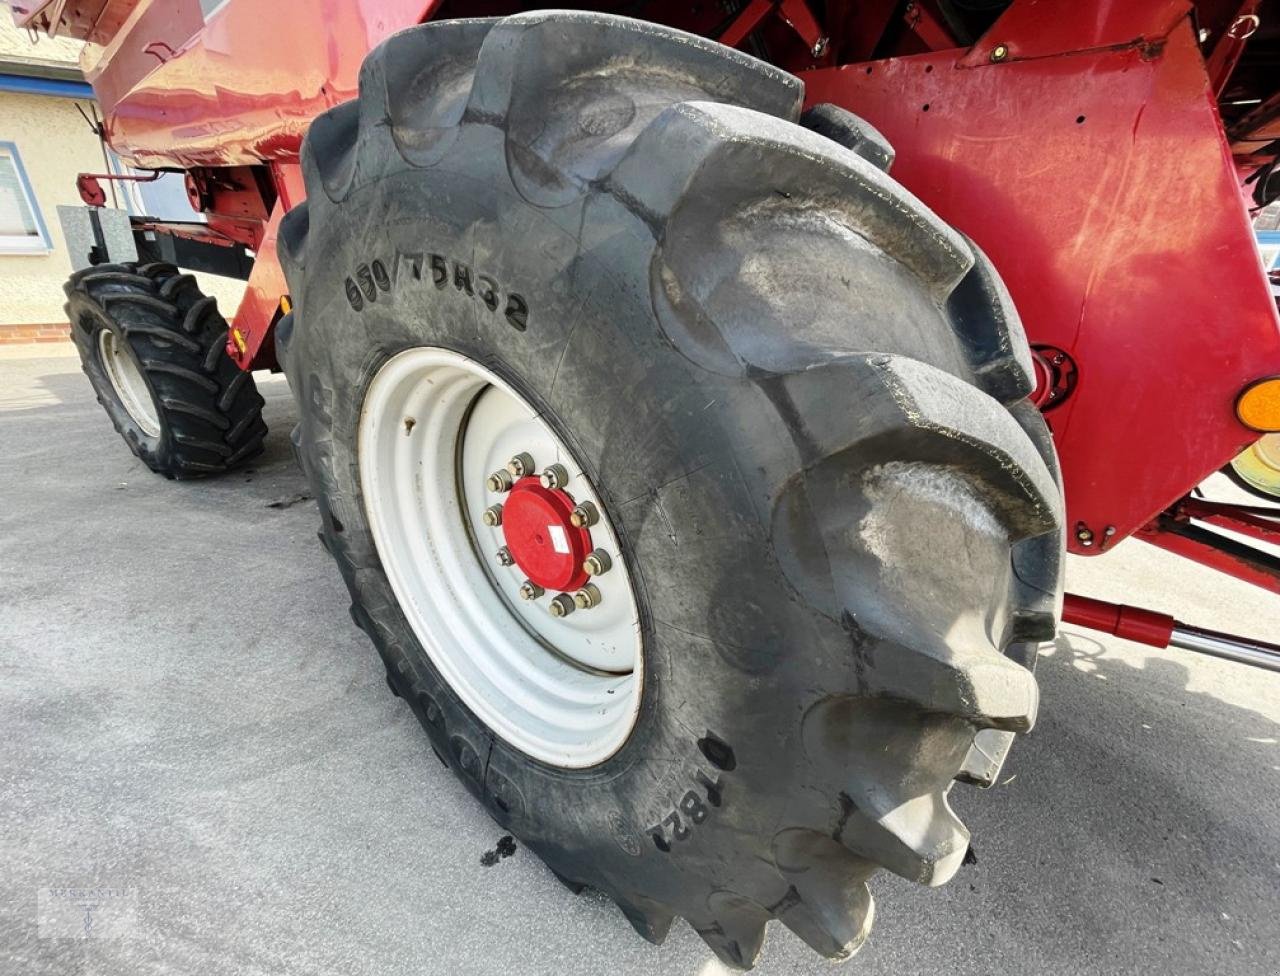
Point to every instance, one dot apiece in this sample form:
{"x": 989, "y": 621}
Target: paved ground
{"x": 186, "y": 710}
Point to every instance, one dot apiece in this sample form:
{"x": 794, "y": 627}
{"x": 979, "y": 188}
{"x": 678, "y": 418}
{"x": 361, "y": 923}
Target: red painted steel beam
{"x": 746, "y": 22}
{"x": 797, "y": 15}
{"x": 248, "y": 338}
{"x": 1258, "y": 522}
{"x": 794, "y": 13}
{"x": 1216, "y": 551}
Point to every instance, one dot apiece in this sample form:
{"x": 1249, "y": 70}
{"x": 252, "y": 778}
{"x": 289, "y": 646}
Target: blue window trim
{"x": 12, "y": 149}
{"x": 44, "y": 86}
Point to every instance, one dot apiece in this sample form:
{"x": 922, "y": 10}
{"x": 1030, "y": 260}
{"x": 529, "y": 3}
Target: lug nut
{"x": 587, "y": 597}
{"x": 530, "y": 590}
{"x": 597, "y": 562}
{"x": 562, "y": 605}
{"x": 584, "y": 515}
{"x": 499, "y": 481}
{"x": 492, "y": 516}
{"x": 555, "y": 476}
{"x": 520, "y": 465}
{"x": 504, "y": 557}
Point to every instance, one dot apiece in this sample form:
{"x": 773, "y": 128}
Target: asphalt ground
{"x": 202, "y": 770}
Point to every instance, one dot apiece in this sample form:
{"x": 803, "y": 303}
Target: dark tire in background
{"x": 801, "y": 399}
{"x": 154, "y": 349}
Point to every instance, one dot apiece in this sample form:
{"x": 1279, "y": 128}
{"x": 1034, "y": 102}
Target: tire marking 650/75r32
{"x": 369, "y": 278}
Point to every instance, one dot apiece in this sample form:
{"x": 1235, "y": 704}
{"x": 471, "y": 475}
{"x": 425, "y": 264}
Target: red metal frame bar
{"x": 746, "y": 22}
{"x": 1259, "y": 522}
{"x": 1181, "y": 530}
{"x": 92, "y": 193}
{"x": 794, "y": 13}
{"x": 797, "y": 15}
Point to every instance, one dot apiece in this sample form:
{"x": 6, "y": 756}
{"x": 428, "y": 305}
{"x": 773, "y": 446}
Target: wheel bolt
{"x": 492, "y": 516}
{"x": 530, "y": 590}
{"x": 562, "y": 604}
{"x": 597, "y": 562}
{"x": 520, "y": 465}
{"x": 584, "y": 515}
{"x": 499, "y": 481}
{"x": 555, "y": 476}
{"x": 504, "y": 557}
{"x": 587, "y": 597}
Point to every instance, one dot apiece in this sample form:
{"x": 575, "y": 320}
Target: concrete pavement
{"x": 188, "y": 718}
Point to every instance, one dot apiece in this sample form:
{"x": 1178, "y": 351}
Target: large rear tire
{"x": 798, "y": 396}
{"x": 154, "y": 349}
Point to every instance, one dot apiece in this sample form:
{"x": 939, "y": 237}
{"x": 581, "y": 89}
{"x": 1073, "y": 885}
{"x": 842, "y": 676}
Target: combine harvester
{"x": 700, "y": 405}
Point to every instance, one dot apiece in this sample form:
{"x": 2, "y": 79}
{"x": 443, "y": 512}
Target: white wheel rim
{"x": 433, "y": 426}
{"x": 127, "y": 380}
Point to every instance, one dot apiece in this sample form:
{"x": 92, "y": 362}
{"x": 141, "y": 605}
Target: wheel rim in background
{"x": 127, "y": 380}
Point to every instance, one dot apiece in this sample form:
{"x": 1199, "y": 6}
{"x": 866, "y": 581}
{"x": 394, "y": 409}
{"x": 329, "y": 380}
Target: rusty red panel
{"x": 241, "y": 88}
{"x": 1101, "y": 185}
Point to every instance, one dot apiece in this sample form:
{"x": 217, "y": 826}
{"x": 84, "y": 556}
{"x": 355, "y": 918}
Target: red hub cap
{"x": 545, "y": 544}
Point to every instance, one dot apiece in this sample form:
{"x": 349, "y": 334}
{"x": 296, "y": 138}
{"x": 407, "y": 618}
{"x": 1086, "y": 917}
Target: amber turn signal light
{"x": 1258, "y": 405}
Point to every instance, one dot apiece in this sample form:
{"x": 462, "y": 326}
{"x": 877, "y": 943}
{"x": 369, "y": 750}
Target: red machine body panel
{"x": 1101, "y": 185}
{"x": 238, "y": 85}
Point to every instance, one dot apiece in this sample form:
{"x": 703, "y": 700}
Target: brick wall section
{"x": 16, "y": 334}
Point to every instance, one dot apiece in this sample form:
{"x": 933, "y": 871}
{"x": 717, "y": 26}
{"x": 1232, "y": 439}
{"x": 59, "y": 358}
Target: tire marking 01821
{"x": 689, "y": 812}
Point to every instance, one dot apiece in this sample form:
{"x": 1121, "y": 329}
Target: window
{"x": 22, "y": 229}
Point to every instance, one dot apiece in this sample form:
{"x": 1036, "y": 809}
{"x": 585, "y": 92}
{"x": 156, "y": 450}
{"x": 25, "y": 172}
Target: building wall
{"x": 54, "y": 144}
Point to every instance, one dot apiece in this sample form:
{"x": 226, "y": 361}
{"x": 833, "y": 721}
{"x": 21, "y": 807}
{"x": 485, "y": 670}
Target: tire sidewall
{"x": 89, "y": 321}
